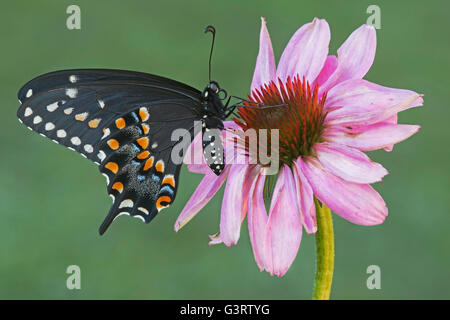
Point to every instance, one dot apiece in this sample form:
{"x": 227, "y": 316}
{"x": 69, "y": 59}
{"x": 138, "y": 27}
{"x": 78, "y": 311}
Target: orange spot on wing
{"x": 120, "y": 123}
{"x": 94, "y": 123}
{"x": 145, "y": 128}
{"x": 159, "y": 166}
{"x": 118, "y": 186}
{"x": 81, "y": 116}
{"x": 161, "y": 199}
{"x": 113, "y": 144}
{"x": 169, "y": 180}
{"x": 143, "y": 142}
{"x": 143, "y": 155}
{"x": 112, "y": 166}
{"x": 148, "y": 163}
{"x": 143, "y": 113}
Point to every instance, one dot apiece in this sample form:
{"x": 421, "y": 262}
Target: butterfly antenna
{"x": 213, "y": 31}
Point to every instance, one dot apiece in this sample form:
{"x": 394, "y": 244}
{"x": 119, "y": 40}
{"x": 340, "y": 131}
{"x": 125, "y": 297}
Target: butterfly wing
{"x": 122, "y": 121}
{"x": 78, "y": 76}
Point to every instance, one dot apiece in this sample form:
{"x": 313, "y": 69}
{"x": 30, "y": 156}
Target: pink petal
{"x": 233, "y": 204}
{"x": 355, "y": 56}
{"x": 306, "y": 52}
{"x": 376, "y": 136}
{"x": 284, "y": 227}
{"x": 361, "y": 102}
{"x": 328, "y": 68}
{"x": 358, "y": 203}
{"x": 305, "y": 198}
{"x": 265, "y": 62}
{"x": 194, "y": 156}
{"x": 348, "y": 163}
{"x": 204, "y": 192}
{"x": 393, "y": 120}
{"x": 257, "y": 219}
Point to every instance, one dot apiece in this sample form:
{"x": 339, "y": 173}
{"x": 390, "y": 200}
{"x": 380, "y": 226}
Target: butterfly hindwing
{"x": 142, "y": 177}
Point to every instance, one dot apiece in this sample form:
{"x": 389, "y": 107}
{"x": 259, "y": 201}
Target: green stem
{"x": 325, "y": 252}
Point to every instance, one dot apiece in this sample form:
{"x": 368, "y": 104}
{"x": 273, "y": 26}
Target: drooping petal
{"x": 392, "y": 120}
{"x": 355, "y": 56}
{"x": 306, "y": 52}
{"x": 305, "y": 198}
{"x": 348, "y": 163}
{"x": 194, "y": 156}
{"x": 257, "y": 219}
{"x": 233, "y": 205}
{"x": 265, "y": 69}
{"x": 374, "y": 137}
{"x": 329, "y": 67}
{"x": 284, "y": 227}
{"x": 207, "y": 188}
{"x": 360, "y": 102}
{"x": 357, "y": 203}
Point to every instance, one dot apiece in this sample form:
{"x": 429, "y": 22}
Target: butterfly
{"x": 123, "y": 121}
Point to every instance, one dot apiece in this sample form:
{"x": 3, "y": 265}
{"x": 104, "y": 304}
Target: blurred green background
{"x": 52, "y": 200}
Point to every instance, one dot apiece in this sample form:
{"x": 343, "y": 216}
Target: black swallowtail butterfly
{"x": 123, "y": 121}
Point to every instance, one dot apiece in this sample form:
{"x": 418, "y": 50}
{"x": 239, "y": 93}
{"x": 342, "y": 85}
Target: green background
{"x": 52, "y": 200}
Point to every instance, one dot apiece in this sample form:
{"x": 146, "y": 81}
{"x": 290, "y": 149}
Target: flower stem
{"x": 324, "y": 252}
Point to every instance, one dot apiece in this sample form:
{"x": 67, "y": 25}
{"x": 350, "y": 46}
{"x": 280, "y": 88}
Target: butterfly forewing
{"x": 122, "y": 121}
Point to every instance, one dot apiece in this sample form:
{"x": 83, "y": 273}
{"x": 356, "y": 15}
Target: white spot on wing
{"x": 68, "y": 111}
{"x": 127, "y": 203}
{"x": 101, "y": 103}
{"x": 139, "y": 217}
{"x": 75, "y": 141}
{"x": 52, "y": 107}
{"x": 106, "y": 133}
{"x": 154, "y": 145}
{"x": 61, "y": 133}
{"x": 107, "y": 182}
{"x": 88, "y": 148}
{"x": 37, "y": 120}
{"x": 28, "y": 112}
{"x": 73, "y": 78}
{"x": 29, "y": 93}
{"x": 72, "y": 92}
{"x": 49, "y": 126}
{"x": 142, "y": 209}
{"x": 101, "y": 155}
{"x": 121, "y": 214}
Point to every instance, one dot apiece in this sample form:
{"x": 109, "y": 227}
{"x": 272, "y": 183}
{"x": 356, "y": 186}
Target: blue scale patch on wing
{"x": 141, "y": 177}
{"x": 123, "y": 118}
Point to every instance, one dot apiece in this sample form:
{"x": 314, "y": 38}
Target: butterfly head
{"x": 211, "y": 90}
